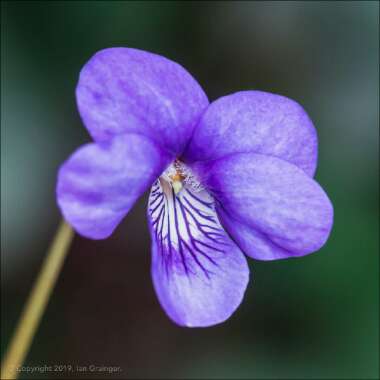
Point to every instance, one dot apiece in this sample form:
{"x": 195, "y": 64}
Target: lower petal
{"x": 199, "y": 274}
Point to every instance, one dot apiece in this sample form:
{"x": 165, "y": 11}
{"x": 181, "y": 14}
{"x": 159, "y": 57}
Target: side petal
{"x": 128, "y": 90}
{"x": 100, "y": 182}
{"x": 287, "y": 211}
{"x": 199, "y": 274}
{"x": 252, "y": 242}
{"x": 257, "y": 122}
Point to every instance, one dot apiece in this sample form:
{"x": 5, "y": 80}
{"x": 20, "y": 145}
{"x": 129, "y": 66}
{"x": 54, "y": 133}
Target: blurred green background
{"x": 312, "y": 317}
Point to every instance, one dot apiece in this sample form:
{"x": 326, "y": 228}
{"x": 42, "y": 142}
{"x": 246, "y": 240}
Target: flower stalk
{"x": 36, "y": 304}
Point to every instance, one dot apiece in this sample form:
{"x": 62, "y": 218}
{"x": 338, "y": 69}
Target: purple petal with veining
{"x": 128, "y": 90}
{"x": 199, "y": 274}
{"x": 100, "y": 182}
{"x": 251, "y": 241}
{"x": 287, "y": 211}
{"x": 257, "y": 122}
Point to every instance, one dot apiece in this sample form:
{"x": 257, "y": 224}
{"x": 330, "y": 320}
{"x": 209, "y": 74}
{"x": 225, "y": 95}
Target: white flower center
{"x": 178, "y": 176}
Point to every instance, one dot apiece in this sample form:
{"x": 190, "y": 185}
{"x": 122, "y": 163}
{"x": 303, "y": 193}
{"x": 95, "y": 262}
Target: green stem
{"x": 36, "y": 304}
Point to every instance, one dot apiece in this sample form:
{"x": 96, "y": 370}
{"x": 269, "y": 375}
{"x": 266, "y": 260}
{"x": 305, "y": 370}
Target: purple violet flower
{"x": 228, "y": 177}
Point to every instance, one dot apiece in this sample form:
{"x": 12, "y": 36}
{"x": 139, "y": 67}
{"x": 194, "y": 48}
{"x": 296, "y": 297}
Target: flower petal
{"x": 100, "y": 182}
{"x": 128, "y": 90}
{"x": 287, "y": 211}
{"x": 252, "y": 242}
{"x": 199, "y": 274}
{"x": 257, "y": 122}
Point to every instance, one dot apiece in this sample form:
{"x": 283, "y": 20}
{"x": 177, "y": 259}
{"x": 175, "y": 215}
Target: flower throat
{"x": 178, "y": 176}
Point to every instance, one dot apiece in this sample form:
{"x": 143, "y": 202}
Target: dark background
{"x": 312, "y": 317}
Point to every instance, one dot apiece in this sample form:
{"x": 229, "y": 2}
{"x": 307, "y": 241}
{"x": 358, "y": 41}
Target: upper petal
{"x": 100, "y": 182}
{"x": 272, "y": 198}
{"x": 199, "y": 274}
{"x": 257, "y": 122}
{"x": 128, "y": 90}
